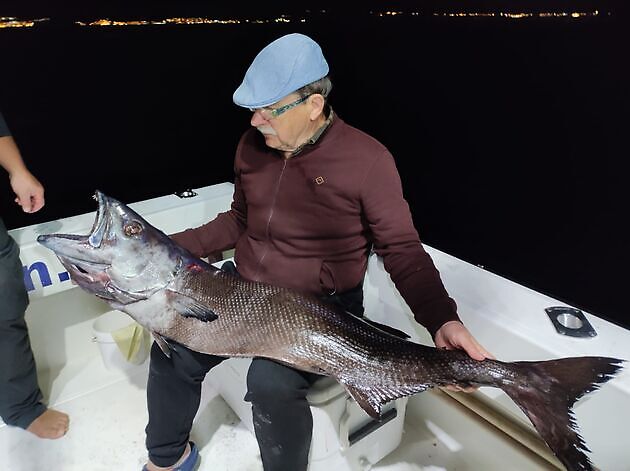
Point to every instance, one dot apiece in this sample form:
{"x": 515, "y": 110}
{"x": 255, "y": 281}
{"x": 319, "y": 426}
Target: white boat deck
{"x": 108, "y": 407}
{"x": 107, "y": 433}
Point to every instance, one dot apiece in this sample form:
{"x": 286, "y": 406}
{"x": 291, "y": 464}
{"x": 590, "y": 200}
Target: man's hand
{"x": 454, "y": 335}
{"x": 29, "y": 192}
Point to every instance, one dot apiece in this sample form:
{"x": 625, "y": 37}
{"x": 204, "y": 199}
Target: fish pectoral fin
{"x": 122, "y": 297}
{"x": 163, "y": 344}
{"x": 372, "y": 399}
{"x": 189, "y": 307}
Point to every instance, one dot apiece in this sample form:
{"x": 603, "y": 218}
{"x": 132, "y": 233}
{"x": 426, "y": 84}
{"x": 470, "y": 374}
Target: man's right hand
{"x": 28, "y": 190}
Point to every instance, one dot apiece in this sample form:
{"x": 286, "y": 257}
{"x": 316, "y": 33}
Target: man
{"x": 20, "y": 397}
{"x": 313, "y": 196}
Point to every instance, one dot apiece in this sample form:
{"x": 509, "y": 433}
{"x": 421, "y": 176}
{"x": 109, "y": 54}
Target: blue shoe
{"x": 189, "y": 463}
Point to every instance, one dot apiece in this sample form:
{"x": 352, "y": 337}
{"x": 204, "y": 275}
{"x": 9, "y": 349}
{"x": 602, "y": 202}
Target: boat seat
{"x": 344, "y": 438}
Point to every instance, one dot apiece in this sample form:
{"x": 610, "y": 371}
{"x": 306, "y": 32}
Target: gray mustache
{"x": 266, "y": 130}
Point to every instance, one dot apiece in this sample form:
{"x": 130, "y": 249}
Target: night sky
{"x": 508, "y": 134}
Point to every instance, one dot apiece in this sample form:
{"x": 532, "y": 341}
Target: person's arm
{"x": 28, "y": 190}
{"x": 222, "y": 233}
{"x": 219, "y": 234}
{"x": 411, "y": 268}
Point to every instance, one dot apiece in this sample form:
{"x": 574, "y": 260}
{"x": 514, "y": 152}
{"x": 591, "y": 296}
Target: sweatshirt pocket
{"x": 327, "y": 279}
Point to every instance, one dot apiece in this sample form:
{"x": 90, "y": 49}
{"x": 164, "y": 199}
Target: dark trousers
{"x": 20, "y": 397}
{"x": 281, "y": 414}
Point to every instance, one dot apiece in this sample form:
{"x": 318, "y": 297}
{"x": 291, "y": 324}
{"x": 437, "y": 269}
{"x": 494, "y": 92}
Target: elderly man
{"x": 313, "y": 197}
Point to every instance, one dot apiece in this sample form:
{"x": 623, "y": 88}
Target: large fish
{"x": 138, "y": 269}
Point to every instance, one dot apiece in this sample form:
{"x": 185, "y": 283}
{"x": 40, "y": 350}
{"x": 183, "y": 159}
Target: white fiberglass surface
{"x": 107, "y": 433}
{"x": 108, "y": 408}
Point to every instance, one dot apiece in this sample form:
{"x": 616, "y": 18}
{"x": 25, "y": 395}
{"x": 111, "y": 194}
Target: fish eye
{"x": 133, "y": 228}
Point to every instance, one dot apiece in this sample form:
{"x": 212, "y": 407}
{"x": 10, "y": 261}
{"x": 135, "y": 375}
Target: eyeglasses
{"x": 271, "y": 113}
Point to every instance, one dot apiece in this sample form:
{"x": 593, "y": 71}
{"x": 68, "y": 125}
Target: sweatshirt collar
{"x": 313, "y": 140}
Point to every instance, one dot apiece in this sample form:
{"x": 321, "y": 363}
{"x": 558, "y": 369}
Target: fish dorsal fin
{"x": 387, "y": 328}
{"x": 163, "y": 344}
{"x": 371, "y": 399}
{"x": 189, "y": 307}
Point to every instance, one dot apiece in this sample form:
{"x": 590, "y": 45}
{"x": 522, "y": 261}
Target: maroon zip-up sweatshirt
{"x": 309, "y": 222}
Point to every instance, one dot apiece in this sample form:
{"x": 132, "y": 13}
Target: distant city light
{"x": 11, "y": 22}
{"x": 185, "y": 21}
{"x": 520, "y": 15}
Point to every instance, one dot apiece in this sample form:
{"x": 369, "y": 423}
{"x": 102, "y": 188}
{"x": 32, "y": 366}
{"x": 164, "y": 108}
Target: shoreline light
{"x": 520, "y": 15}
{"x": 11, "y": 22}
{"x": 106, "y": 22}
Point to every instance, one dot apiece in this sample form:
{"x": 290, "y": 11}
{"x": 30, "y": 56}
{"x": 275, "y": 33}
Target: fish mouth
{"x": 85, "y": 270}
{"x": 99, "y": 228}
{"x": 90, "y": 274}
{"x": 79, "y": 254}
{"x": 66, "y": 244}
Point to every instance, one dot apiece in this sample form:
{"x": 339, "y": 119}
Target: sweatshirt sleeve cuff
{"x": 435, "y": 314}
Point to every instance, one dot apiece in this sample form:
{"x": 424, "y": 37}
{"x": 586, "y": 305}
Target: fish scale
{"x": 139, "y": 270}
{"x": 339, "y": 344}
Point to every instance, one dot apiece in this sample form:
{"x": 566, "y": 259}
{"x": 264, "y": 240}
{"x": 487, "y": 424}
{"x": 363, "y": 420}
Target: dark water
{"x": 508, "y": 134}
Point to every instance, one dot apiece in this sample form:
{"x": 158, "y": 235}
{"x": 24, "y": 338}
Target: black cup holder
{"x": 570, "y": 321}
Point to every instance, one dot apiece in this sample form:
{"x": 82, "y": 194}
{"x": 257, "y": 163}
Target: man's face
{"x": 286, "y": 131}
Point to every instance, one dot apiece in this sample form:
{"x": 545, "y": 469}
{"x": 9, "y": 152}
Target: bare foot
{"x": 51, "y": 424}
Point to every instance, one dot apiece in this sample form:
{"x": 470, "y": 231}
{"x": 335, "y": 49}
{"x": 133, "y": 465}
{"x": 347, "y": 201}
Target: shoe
{"x": 189, "y": 463}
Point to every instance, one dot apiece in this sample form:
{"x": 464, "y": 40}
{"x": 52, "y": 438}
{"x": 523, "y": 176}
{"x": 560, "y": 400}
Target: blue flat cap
{"x": 282, "y": 67}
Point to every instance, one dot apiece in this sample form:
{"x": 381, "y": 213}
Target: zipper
{"x": 267, "y": 229}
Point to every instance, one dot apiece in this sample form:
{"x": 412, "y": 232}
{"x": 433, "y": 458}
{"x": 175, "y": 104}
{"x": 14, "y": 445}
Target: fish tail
{"x": 547, "y": 394}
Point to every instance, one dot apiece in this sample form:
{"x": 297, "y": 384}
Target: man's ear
{"x": 317, "y": 105}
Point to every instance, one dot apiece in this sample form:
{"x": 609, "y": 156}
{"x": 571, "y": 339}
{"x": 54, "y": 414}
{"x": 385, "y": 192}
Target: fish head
{"x": 122, "y": 260}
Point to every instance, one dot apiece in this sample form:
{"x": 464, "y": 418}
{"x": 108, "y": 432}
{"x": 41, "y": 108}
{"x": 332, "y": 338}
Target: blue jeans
{"x": 20, "y": 396}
